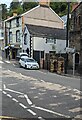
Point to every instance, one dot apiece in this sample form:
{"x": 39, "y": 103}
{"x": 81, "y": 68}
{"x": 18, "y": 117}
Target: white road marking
{"x": 41, "y": 118}
{"x": 33, "y": 113}
{"x": 7, "y": 61}
{"x": 50, "y": 111}
{"x": 15, "y": 100}
{"x": 4, "y": 86}
{"x": 42, "y": 72}
{"x": 28, "y": 100}
{"x": 21, "y": 96}
{"x": 4, "y": 92}
{"x": 22, "y": 105}
{"x": 13, "y": 84}
{"x": 9, "y": 95}
{"x": 1, "y": 62}
{"x": 13, "y": 64}
{"x": 13, "y": 91}
{"x": 0, "y": 89}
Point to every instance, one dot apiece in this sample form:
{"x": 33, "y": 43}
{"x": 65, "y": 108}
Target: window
{"x": 25, "y": 39}
{"x": 10, "y": 24}
{"x": 51, "y": 40}
{"x": 10, "y": 36}
{"x": 17, "y": 22}
{"x": 18, "y": 36}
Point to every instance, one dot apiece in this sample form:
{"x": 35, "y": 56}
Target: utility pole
{"x": 67, "y": 37}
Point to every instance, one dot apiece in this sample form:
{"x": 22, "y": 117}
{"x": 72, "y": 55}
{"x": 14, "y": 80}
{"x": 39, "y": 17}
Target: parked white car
{"x": 28, "y": 63}
{"x": 20, "y": 55}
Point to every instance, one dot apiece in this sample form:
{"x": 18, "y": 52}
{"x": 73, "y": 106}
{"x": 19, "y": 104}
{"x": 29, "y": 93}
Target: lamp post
{"x": 67, "y": 37}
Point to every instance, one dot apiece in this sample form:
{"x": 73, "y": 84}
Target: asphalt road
{"x": 38, "y": 93}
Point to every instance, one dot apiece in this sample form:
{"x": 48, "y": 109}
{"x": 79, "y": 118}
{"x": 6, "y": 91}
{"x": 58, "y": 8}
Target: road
{"x": 38, "y": 93}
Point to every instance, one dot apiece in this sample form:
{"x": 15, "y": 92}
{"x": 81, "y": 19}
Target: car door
{"x": 22, "y": 62}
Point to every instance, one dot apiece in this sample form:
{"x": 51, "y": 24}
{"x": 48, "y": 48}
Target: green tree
{"x": 28, "y": 5}
{"x": 15, "y": 6}
{"x": 4, "y": 11}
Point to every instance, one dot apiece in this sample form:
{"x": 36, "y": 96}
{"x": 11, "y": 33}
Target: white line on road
{"x": 50, "y": 111}
{"x": 0, "y": 89}
{"x": 1, "y": 62}
{"x": 41, "y": 118}
{"x": 42, "y": 72}
{"x": 22, "y": 105}
{"x": 4, "y": 92}
{"x": 7, "y": 61}
{"x": 9, "y": 95}
{"x": 13, "y": 64}
{"x": 13, "y": 84}
{"x": 13, "y": 91}
{"x": 15, "y": 100}
{"x": 28, "y": 100}
{"x": 4, "y": 86}
{"x": 33, "y": 113}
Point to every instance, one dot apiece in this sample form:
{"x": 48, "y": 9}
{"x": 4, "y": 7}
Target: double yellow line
{"x": 8, "y": 118}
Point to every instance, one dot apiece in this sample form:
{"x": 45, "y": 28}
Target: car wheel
{"x": 25, "y": 66}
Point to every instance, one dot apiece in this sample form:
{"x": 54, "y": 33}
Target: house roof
{"x": 79, "y": 3}
{"x": 48, "y": 32}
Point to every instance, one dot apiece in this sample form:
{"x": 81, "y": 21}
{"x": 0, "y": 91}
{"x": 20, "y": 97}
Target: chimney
{"x": 14, "y": 14}
{"x": 45, "y": 2}
{"x": 74, "y": 5}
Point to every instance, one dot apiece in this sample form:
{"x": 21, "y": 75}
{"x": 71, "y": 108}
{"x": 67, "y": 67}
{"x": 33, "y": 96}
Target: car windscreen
{"x": 23, "y": 55}
{"x": 30, "y": 60}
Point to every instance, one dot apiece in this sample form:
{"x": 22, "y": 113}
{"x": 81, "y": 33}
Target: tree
{"x": 4, "y": 11}
{"x": 15, "y": 6}
{"x": 29, "y": 5}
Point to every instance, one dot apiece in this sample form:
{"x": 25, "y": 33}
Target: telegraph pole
{"x": 67, "y": 37}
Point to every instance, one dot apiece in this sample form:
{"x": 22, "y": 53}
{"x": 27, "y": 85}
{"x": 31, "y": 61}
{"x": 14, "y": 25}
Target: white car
{"x": 28, "y": 63}
{"x": 21, "y": 54}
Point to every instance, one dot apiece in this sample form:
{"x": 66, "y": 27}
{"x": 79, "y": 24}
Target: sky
{"x": 7, "y": 2}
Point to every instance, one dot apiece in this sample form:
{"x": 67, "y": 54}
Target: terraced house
{"x": 75, "y": 40}
{"x": 42, "y": 15}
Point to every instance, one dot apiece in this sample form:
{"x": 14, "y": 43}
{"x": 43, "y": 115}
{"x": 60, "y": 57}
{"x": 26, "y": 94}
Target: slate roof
{"x": 48, "y": 32}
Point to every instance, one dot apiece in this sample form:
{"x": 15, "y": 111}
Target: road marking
{"x": 4, "y": 92}
{"x": 33, "y": 113}
{"x": 13, "y": 84}
{"x": 0, "y": 89}
{"x": 7, "y": 117}
{"x": 22, "y": 105}
{"x": 42, "y": 72}
{"x": 50, "y": 111}
{"x": 13, "y": 91}
{"x": 9, "y": 95}
{"x": 14, "y": 65}
{"x": 1, "y": 62}
{"x": 28, "y": 100}
{"x": 15, "y": 100}
{"x": 41, "y": 118}
{"x": 7, "y": 61}
{"x": 4, "y": 86}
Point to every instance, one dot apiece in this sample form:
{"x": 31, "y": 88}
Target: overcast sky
{"x": 7, "y": 2}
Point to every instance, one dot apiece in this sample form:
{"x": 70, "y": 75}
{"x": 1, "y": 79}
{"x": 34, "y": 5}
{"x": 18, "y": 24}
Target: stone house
{"x": 75, "y": 37}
